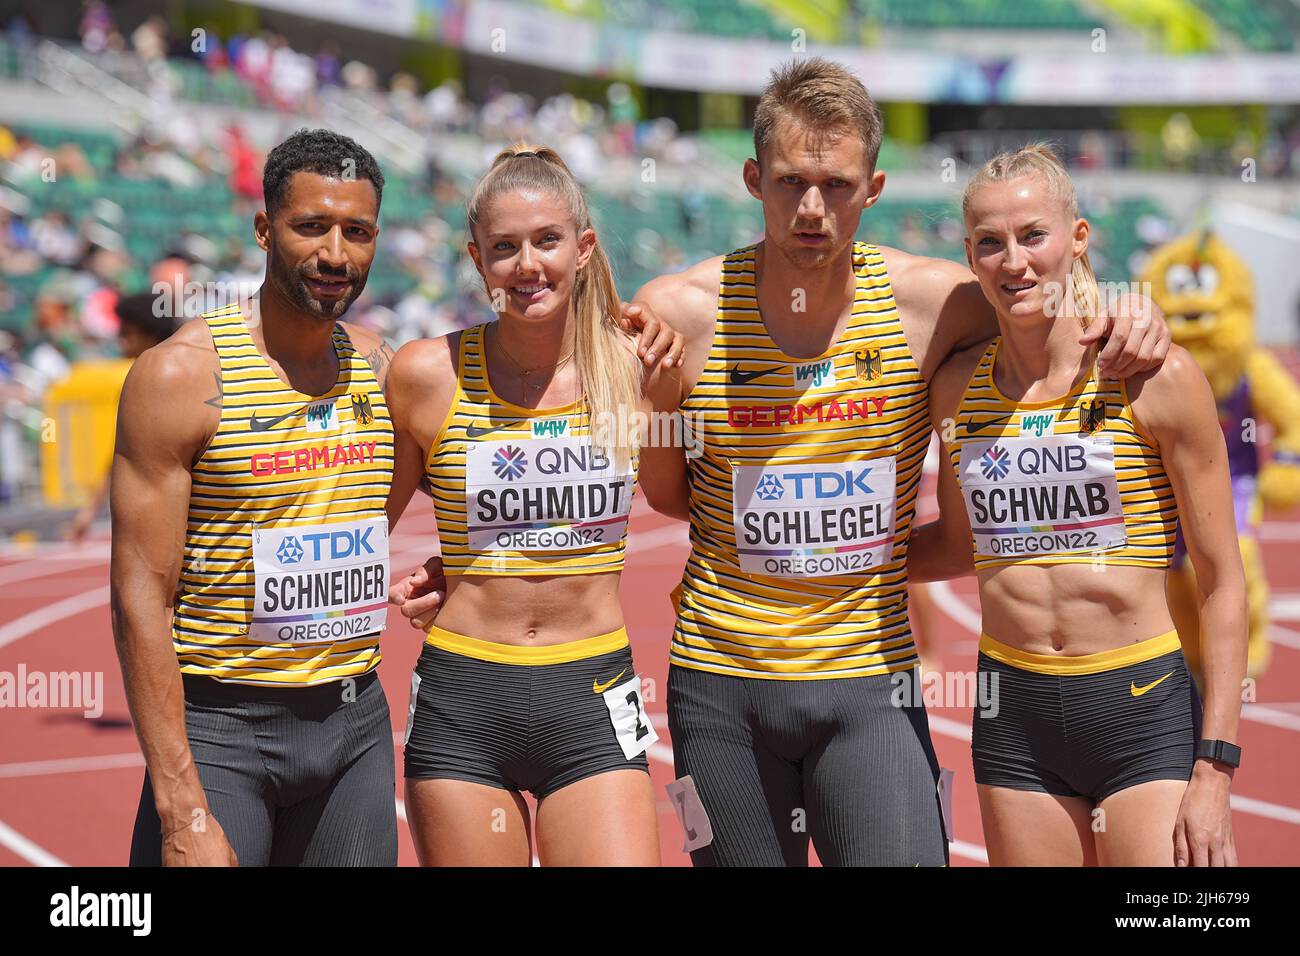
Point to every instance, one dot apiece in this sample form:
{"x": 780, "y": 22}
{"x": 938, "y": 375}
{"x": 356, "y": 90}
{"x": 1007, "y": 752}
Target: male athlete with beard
{"x": 253, "y": 461}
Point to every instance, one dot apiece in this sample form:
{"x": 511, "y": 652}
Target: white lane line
{"x": 674, "y": 534}
{"x": 39, "y": 768}
{"x": 1280, "y": 531}
{"x": 1284, "y": 606}
{"x": 972, "y": 851}
{"x": 1284, "y": 636}
{"x": 29, "y": 851}
{"x": 46, "y": 567}
{"x": 1262, "y": 714}
{"x": 401, "y": 809}
{"x": 1262, "y": 809}
{"x": 952, "y": 605}
{"x": 44, "y": 617}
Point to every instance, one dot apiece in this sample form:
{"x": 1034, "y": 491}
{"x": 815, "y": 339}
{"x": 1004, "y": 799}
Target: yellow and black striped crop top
{"x": 284, "y": 579}
{"x": 1068, "y": 481}
{"x": 521, "y": 491}
{"x": 803, "y": 496}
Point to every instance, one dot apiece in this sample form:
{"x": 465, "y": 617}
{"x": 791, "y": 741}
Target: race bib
{"x": 319, "y": 583}
{"x": 627, "y": 714}
{"x": 811, "y": 521}
{"x": 1051, "y": 495}
{"x": 543, "y": 494}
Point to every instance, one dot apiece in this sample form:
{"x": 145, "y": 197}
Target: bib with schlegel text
{"x": 814, "y": 520}
{"x": 544, "y": 494}
{"x": 1039, "y": 496}
{"x": 319, "y": 583}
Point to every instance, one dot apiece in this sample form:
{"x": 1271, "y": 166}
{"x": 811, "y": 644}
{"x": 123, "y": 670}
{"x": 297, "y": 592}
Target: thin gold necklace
{"x": 527, "y": 373}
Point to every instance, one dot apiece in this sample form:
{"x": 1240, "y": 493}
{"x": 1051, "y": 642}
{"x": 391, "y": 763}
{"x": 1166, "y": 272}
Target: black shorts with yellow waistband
{"x": 521, "y": 718}
{"x": 1087, "y": 726}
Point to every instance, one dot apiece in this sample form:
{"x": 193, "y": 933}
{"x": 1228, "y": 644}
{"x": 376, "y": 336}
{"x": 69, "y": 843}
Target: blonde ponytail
{"x": 1039, "y": 159}
{"x": 608, "y": 370}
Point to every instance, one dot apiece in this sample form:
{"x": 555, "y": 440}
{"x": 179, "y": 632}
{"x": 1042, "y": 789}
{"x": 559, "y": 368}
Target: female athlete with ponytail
{"x": 1095, "y": 747}
{"x": 525, "y": 431}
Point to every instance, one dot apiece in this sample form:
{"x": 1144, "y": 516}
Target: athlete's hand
{"x": 656, "y": 341}
{"x": 1203, "y": 830}
{"x": 420, "y": 593}
{"x": 201, "y": 843}
{"x": 1137, "y": 337}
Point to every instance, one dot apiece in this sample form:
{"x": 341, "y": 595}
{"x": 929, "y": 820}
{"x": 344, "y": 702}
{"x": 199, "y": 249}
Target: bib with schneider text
{"x": 319, "y": 583}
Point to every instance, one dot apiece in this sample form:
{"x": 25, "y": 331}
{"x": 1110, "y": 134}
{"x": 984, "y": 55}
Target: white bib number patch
{"x": 1051, "y": 495}
{"x": 627, "y": 713}
{"x": 813, "y": 521}
{"x": 315, "y": 584}
{"x": 543, "y": 494}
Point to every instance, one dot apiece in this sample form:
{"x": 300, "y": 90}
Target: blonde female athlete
{"x": 524, "y": 431}
{"x": 1071, "y": 487}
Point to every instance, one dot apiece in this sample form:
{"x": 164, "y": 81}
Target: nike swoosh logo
{"x": 262, "y": 424}
{"x": 1139, "y": 691}
{"x": 478, "y": 431}
{"x": 973, "y": 427}
{"x": 738, "y": 377}
{"x": 599, "y": 688}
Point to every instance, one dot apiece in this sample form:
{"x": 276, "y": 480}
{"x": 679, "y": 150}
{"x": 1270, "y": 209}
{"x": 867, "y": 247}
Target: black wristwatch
{"x": 1219, "y": 750}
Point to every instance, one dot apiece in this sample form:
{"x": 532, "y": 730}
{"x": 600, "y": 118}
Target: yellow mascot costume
{"x": 1207, "y": 296}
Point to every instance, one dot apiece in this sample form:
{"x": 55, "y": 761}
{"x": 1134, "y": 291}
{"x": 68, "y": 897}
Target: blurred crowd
{"x": 74, "y": 266}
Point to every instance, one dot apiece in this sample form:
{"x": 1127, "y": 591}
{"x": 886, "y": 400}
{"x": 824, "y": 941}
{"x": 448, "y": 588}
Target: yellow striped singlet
{"x": 1067, "y": 481}
{"x": 811, "y": 466}
{"x": 285, "y": 573}
{"x": 520, "y": 491}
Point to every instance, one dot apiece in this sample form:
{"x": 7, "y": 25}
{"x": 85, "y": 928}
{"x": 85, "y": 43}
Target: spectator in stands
{"x": 96, "y": 26}
{"x": 57, "y": 340}
{"x": 328, "y": 65}
{"x": 139, "y": 329}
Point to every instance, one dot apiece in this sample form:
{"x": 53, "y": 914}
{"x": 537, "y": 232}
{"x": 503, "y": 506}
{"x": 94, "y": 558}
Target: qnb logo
{"x": 510, "y": 462}
{"x": 830, "y": 484}
{"x": 77, "y": 909}
{"x": 290, "y": 551}
{"x": 816, "y": 373}
{"x": 769, "y": 488}
{"x": 337, "y": 545}
{"x": 995, "y": 462}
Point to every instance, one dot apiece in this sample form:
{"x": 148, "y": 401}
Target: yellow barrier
{"x": 77, "y": 434}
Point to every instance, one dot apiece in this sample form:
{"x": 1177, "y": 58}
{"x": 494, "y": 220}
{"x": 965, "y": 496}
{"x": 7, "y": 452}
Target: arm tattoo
{"x": 379, "y": 359}
{"x": 215, "y": 400}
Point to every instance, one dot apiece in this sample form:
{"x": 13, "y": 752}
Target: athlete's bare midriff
{"x": 532, "y": 610}
{"x": 1073, "y": 609}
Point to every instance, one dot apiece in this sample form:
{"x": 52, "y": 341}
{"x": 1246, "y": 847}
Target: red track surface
{"x": 69, "y": 785}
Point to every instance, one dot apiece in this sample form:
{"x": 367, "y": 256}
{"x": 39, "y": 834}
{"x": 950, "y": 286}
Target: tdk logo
{"x": 815, "y": 373}
{"x": 829, "y": 484}
{"x": 769, "y": 488}
{"x": 290, "y": 551}
{"x": 339, "y": 544}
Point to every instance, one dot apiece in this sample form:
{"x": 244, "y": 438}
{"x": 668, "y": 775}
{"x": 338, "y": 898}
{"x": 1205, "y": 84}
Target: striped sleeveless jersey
{"x": 803, "y": 496}
{"x": 284, "y": 579}
{"x": 1067, "y": 481}
{"x": 520, "y": 491}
